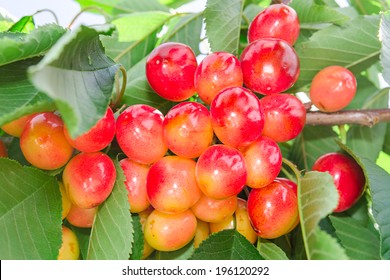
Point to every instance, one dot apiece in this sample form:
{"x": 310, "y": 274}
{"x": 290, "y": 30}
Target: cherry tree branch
{"x": 363, "y": 117}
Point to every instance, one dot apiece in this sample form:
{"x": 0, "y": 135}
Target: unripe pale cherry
{"x": 140, "y": 135}
{"x": 169, "y": 232}
{"x": 15, "y": 127}
{"x": 89, "y": 179}
{"x": 263, "y": 159}
{"x": 243, "y": 223}
{"x": 147, "y": 250}
{"x": 221, "y": 171}
{"x": 136, "y": 174}
{"x": 170, "y": 71}
{"x": 171, "y": 184}
{"x": 227, "y": 223}
{"x": 70, "y": 248}
{"x": 187, "y": 129}
{"x": 202, "y": 232}
{"x": 217, "y": 71}
{"x": 214, "y": 210}
{"x": 269, "y": 66}
{"x": 43, "y": 142}
{"x": 348, "y": 177}
{"x": 284, "y": 116}
{"x": 276, "y": 21}
{"x": 98, "y": 137}
{"x": 65, "y": 201}
{"x": 237, "y": 116}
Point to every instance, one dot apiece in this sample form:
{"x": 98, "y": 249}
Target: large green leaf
{"x": 317, "y": 197}
{"x": 226, "y": 245}
{"x": 270, "y": 251}
{"x": 180, "y": 254}
{"x": 366, "y": 7}
{"x": 313, "y": 142}
{"x": 117, "y": 7}
{"x": 30, "y": 213}
{"x": 78, "y": 76}
{"x": 112, "y": 231}
{"x": 18, "y": 96}
{"x": 385, "y": 51}
{"x": 19, "y": 46}
{"x": 354, "y": 45}
{"x": 386, "y": 144}
{"x": 223, "y": 24}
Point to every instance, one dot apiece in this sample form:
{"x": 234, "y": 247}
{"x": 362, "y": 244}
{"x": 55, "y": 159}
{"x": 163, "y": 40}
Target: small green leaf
{"x": 30, "y": 213}
{"x": 226, "y": 245}
{"x": 385, "y": 51}
{"x": 270, "y": 251}
{"x": 18, "y": 97}
{"x": 78, "y": 76}
{"x": 138, "y": 240}
{"x": 5, "y": 21}
{"x": 112, "y": 232}
{"x": 19, "y": 46}
{"x": 181, "y": 254}
{"x": 223, "y": 24}
{"x": 25, "y": 24}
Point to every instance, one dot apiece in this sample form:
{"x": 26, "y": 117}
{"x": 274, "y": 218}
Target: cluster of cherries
{"x": 186, "y": 169}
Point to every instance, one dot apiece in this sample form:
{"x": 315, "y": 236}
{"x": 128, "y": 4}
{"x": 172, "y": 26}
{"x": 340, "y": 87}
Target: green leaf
{"x": 313, "y": 142}
{"x": 368, "y": 141}
{"x": 19, "y": 46}
{"x": 112, "y": 231}
{"x": 181, "y": 254}
{"x": 174, "y": 3}
{"x": 311, "y": 15}
{"x": 25, "y": 24}
{"x": 317, "y": 197}
{"x": 78, "y": 76}
{"x": 385, "y": 51}
{"x": 117, "y": 7}
{"x": 83, "y": 236}
{"x": 138, "y": 239}
{"x": 366, "y": 7}
{"x": 5, "y": 21}
{"x": 354, "y": 45}
{"x": 386, "y": 144}
{"x": 18, "y": 97}
{"x": 223, "y": 24}
{"x": 226, "y": 245}
{"x": 270, "y": 251}
{"x": 30, "y": 213}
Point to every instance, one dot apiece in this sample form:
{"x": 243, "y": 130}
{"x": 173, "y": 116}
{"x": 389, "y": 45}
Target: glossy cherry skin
{"x": 269, "y": 66}
{"x": 294, "y": 187}
{"x": 276, "y": 21}
{"x": 243, "y": 223}
{"x": 15, "y": 127}
{"x": 237, "y": 116}
{"x": 221, "y": 172}
{"x": 70, "y": 248}
{"x": 169, "y": 232}
{"x": 89, "y": 179}
{"x": 217, "y": 71}
{"x": 187, "y": 129}
{"x": 3, "y": 149}
{"x": 273, "y": 210}
{"x": 214, "y": 210}
{"x": 43, "y": 142}
{"x": 348, "y": 178}
{"x": 171, "y": 184}
{"x": 140, "y": 133}
{"x": 136, "y": 174}
{"x": 81, "y": 217}
{"x": 170, "y": 71}
{"x": 263, "y": 159}
{"x": 98, "y": 137}
{"x": 284, "y": 116}
{"x": 333, "y": 88}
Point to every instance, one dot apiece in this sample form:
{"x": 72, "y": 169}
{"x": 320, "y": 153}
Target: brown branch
{"x": 362, "y": 117}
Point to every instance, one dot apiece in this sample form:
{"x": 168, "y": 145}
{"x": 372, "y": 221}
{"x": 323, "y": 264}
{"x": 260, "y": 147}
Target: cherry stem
{"x": 50, "y": 11}
{"x": 362, "y": 117}
{"x": 119, "y": 92}
{"x": 100, "y": 10}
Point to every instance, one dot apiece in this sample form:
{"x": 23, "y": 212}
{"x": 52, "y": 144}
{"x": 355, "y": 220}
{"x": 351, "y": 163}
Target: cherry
{"x": 237, "y": 116}
{"x": 147, "y": 250}
{"x": 284, "y": 116}
{"x": 273, "y": 210}
{"x": 43, "y": 142}
{"x": 333, "y": 88}
{"x": 171, "y": 184}
{"x": 276, "y": 21}
{"x": 243, "y": 223}
{"x": 70, "y": 248}
{"x": 98, "y": 137}
{"x": 269, "y": 66}
{"x": 15, "y": 127}
{"x": 348, "y": 177}
{"x": 140, "y": 135}
{"x": 170, "y": 71}
{"x": 65, "y": 201}
{"x": 202, "y": 232}
{"x": 89, "y": 179}
{"x": 169, "y": 232}
{"x": 217, "y": 71}
{"x": 227, "y": 223}
{"x": 3, "y": 149}
{"x": 81, "y": 217}
{"x": 221, "y": 172}
{"x": 214, "y": 210}
{"x": 263, "y": 160}
{"x": 187, "y": 129}
{"x": 136, "y": 174}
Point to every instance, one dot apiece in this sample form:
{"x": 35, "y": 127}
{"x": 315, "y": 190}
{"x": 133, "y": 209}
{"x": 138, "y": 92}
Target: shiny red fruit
{"x": 170, "y": 71}
{"x": 269, "y": 66}
{"x": 348, "y": 177}
{"x": 276, "y": 21}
